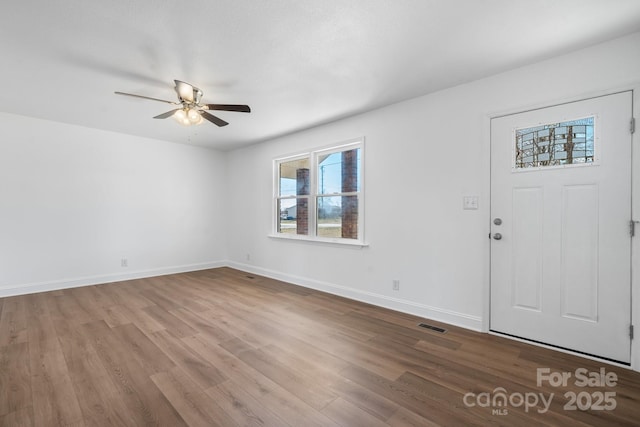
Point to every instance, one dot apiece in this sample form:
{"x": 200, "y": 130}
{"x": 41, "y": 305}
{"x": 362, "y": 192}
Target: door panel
{"x": 579, "y": 262}
{"x": 527, "y": 253}
{"x": 561, "y": 185}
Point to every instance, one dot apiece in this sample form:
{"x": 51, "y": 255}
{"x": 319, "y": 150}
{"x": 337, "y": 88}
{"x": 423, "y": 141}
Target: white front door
{"x": 560, "y": 212}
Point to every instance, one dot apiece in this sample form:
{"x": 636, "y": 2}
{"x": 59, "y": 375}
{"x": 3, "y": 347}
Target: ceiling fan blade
{"x": 213, "y": 119}
{"x": 228, "y": 107}
{"x": 167, "y": 114}
{"x": 146, "y": 97}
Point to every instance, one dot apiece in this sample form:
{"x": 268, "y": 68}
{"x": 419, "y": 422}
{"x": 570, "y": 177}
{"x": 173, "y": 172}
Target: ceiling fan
{"x": 191, "y": 111}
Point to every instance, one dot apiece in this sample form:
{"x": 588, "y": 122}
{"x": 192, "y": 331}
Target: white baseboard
{"x": 30, "y": 288}
{"x": 397, "y": 304}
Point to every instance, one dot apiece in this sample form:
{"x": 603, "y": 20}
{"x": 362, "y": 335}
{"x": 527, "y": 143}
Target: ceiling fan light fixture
{"x": 194, "y": 116}
{"x": 180, "y": 115}
{"x": 188, "y": 116}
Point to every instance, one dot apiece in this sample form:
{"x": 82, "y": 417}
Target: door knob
{"x": 497, "y": 236}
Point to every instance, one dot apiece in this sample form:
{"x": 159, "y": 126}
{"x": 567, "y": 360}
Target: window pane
{"x": 339, "y": 172}
{"x": 555, "y": 144}
{"x": 294, "y": 178}
{"x": 293, "y": 216}
{"x": 338, "y": 216}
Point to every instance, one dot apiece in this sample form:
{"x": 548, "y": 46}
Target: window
{"x": 318, "y": 194}
{"x": 293, "y": 196}
{"x": 555, "y": 144}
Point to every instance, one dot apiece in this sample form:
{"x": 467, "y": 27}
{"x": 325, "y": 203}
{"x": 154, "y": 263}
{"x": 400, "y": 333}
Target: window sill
{"x": 325, "y": 241}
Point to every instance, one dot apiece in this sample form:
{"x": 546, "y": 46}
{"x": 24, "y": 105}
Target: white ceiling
{"x": 297, "y": 63}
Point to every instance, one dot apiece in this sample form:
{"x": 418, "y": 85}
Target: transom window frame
{"x": 314, "y": 193}
{"x": 596, "y": 146}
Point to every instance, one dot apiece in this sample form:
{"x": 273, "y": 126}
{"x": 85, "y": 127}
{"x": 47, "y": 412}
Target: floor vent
{"x": 250, "y": 277}
{"x": 433, "y": 328}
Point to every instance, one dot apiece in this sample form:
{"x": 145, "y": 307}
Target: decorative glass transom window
{"x": 318, "y": 194}
{"x": 555, "y": 144}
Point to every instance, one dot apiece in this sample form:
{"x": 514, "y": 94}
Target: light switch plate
{"x": 470, "y": 202}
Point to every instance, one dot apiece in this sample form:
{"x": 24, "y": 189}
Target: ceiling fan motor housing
{"x": 188, "y": 93}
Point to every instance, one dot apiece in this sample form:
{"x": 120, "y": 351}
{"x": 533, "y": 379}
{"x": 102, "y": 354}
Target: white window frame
{"x": 313, "y": 155}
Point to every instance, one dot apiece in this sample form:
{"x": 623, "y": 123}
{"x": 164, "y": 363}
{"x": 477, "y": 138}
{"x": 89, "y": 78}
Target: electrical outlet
{"x": 248, "y": 257}
{"x": 124, "y": 262}
{"x": 396, "y": 285}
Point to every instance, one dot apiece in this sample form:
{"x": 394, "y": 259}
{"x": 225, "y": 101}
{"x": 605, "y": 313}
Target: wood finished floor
{"x": 223, "y": 348}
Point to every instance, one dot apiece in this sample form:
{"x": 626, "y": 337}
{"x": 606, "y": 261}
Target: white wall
{"x": 74, "y": 201}
{"x": 422, "y": 156}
